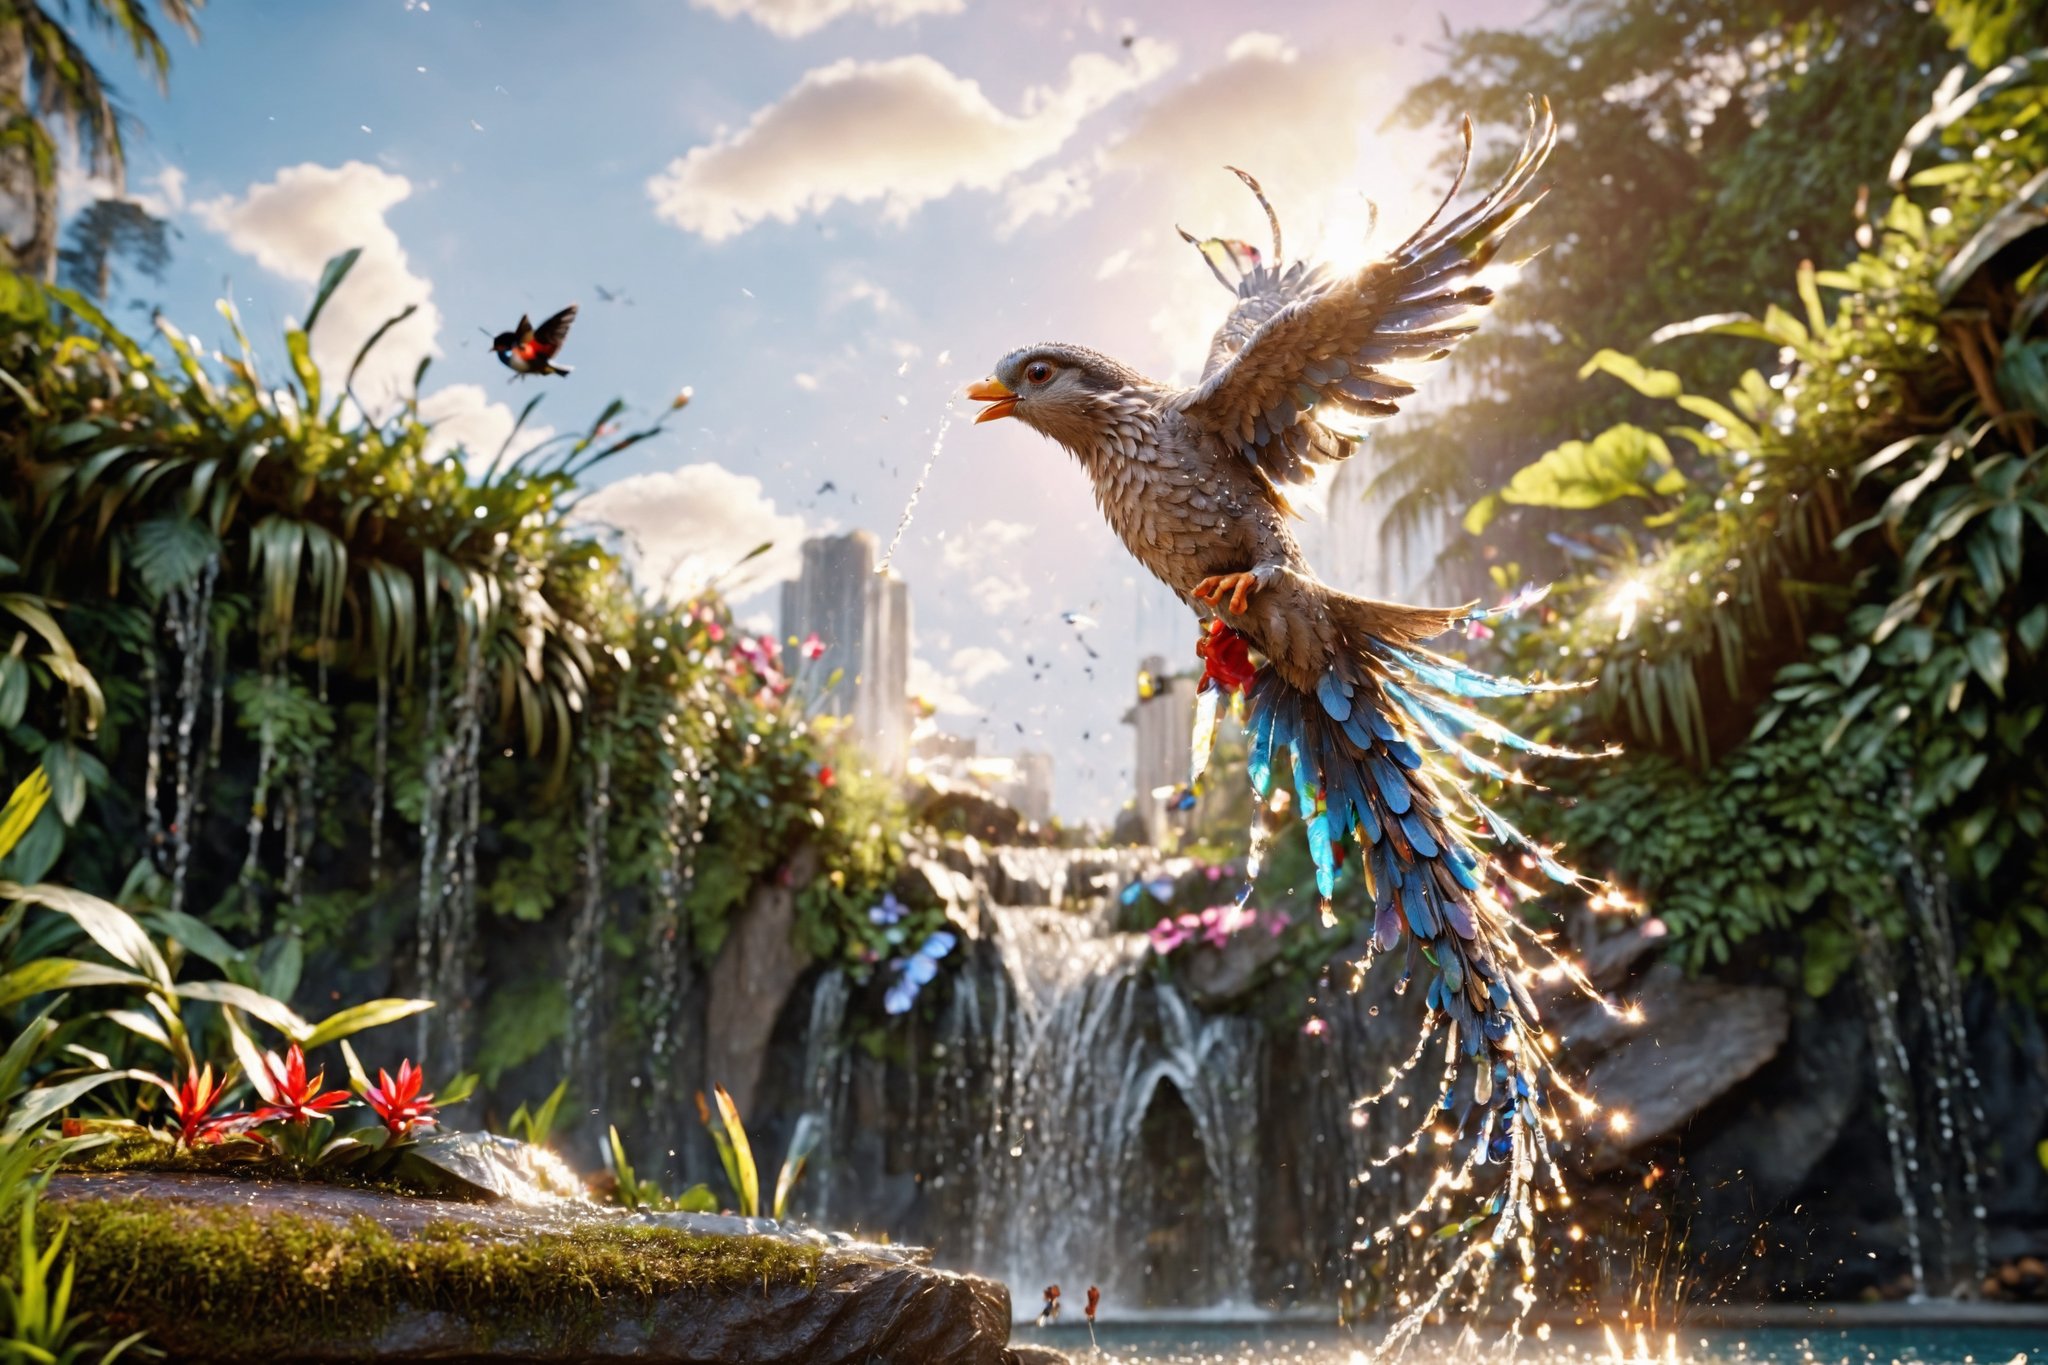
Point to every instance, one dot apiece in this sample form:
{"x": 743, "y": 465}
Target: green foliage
{"x": 1838, "y": 629}
{"x": 1709, "y": 146}
{"x": 736, "y": 1154}
{"x": 144, "y": 1257}
{"x": 537, "y": 1124}
{"x": 630, "y": 1192}
{"x": 351, "y": 571}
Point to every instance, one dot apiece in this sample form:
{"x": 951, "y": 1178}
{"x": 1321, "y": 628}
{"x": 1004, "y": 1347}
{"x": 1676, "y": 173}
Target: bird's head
{"x": 504, "y": 341}
{"x": 1064, "y": 392}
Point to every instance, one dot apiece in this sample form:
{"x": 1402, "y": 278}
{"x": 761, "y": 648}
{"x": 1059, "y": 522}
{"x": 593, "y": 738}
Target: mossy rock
{"x": 228, "y": 1270}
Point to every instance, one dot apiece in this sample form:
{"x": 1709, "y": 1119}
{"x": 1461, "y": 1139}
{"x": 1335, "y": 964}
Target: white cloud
{"x": 856, "y": 289}
{"x": 1113, "y": 265}
{"x": 795, "y": 18}
{"x": 293, "y": 224}
{"x": 162, "y": 195}
{"x": 939, "y": 689}
{"x": 1058, "y": 193}
{"x": 975, "y": 544}
{"x": 902, "y": 132}
{"x": 688, "y": 526}
{"x": 996, "y": 595}
{"x": 977, "y": 664}
{"x": 1305, "y": 123}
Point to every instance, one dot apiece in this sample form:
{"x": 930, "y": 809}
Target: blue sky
{"x": 829, "y": 215}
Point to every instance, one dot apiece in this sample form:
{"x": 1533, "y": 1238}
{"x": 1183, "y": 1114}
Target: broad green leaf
{"x": 1632, "y": 372}
{"x": 275, "y": 1013}
{"x": 114, "y": 929}
{"x": 1986, "y": 649}
{"x": 23, "y": 806}
{"x": 195, "y": 936}
{"x": 61, "y": 760}
{"x": 1622, "y": 461}
{"x": 356, "y": 1018}
{"x": 169, "y": 552}
{"x": 36, "y": 1107}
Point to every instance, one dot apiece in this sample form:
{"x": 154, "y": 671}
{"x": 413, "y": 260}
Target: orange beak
{"x": 1000, "y": 397}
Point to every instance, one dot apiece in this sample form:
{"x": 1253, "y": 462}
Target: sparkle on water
{"x": 1284, "y": 1344}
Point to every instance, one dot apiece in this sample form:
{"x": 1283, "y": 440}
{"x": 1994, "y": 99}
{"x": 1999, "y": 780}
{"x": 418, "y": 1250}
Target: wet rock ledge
{"x": 228, "y": 1269}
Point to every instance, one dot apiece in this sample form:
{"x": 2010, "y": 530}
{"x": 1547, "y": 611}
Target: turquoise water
{"x": 1181, "y": 1344}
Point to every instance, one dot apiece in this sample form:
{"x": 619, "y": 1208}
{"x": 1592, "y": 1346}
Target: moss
{"x": 233, "y": 1281}
{"x": 143, "y": 1152}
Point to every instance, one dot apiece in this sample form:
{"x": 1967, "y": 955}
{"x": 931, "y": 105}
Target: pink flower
{"x": 1315, "y": 1028}
{"x": 715, "y": 631}
{"x": 1166, "y": 936}
{"x": 813, "y": 647}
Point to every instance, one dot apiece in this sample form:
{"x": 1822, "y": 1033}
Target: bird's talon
{"x": 1239, "y": 586}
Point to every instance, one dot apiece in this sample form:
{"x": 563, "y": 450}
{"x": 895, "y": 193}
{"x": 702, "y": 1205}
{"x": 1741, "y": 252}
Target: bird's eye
{"x": 1038, "y": 372}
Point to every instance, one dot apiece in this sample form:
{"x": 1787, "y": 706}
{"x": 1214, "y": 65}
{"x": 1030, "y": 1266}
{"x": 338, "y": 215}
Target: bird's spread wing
{"x": 1301, "y": 361}
{"x": 555, "y": 330}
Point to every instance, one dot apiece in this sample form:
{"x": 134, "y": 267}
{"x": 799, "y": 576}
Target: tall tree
{"x": 1708, "y": 147}
{"x": 107, "y": 231}
{"x": 49, "y": 86}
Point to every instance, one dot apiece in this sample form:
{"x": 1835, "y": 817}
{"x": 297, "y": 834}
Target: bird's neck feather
{"x": 1121, "y": 422}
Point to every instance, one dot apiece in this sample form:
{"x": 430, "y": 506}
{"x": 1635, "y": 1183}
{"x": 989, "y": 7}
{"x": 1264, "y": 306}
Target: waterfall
{"x": 1078, "y": 1048}
{"x": 191, "y": 622}
{"x": 666, "y": 984}
{"x": 827, "y": 1076}
{"x": 1895, "y": 1089}
{"x": 582, "y": 1046}
{"x": 1959, "y": 1112}
{"x": 449, "y": 816}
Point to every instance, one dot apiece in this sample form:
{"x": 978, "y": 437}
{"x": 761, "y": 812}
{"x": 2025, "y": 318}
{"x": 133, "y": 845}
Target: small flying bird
{"x": 612, "y": 295}
{"x": 1194, "y": 482}
{"x": 829, "y": 486}
{"x": 1051, "y": 1311}
{"x": 531, "y": 350}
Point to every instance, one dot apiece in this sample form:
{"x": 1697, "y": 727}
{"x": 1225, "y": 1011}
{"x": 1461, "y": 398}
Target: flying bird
{"x": 618, "y": 295}
{"x": 531, "y": 350}
{"x": 1195, "y": 482}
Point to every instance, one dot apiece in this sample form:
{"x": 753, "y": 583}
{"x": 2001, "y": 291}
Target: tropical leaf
{"x": 168, "y": 552}
{"x": 112, "y": 928}
{"x": 1622, "y": 462}
{"x": 346, "y": 1023}
{"x": 748, "y": 1185}
{"x": 22, "y": 807}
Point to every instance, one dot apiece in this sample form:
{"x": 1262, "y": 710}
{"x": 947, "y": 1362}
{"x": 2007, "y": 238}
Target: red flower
{"x": 1227, "y": 659}
{"x": 813, "y": 647}
{"x": 1094, "y": 1298}
{"x": 826, "y": 777}
{"x": 399, "y": 1103}
{"x": 192, "y": 1105}
{"x": 298, "y": 1099}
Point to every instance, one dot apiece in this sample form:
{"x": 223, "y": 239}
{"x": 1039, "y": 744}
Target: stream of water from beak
{"x": 938, "y": 442}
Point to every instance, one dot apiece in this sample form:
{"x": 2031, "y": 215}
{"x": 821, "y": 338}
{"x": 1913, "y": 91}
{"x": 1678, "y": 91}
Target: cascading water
{"x": 1895, "y": 1089}
{"x": 449, "y": 816}
{"x": 1959, "y": 1107}
{"x": 667, "y": 982}
{"x": 581, "y": 1045}
{"x": 1079, "y": 1044}
{"x": 827, "y": 1075}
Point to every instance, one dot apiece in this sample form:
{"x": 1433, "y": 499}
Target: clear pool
{"x": 1242, "y": 1344}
